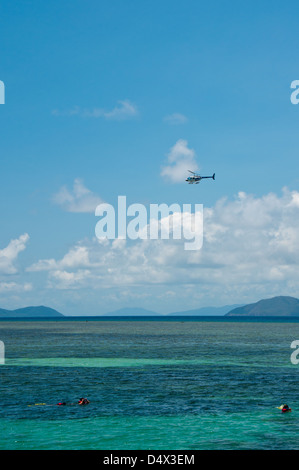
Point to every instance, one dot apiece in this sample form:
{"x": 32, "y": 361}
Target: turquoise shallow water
{"x": 152, "y": 385}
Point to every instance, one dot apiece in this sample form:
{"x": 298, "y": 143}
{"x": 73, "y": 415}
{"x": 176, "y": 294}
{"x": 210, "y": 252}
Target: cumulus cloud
{"x": 180, "y": 159}
{"x": 175, "y": 118}
{"x": 68, "y": 280}
{"x": 250, "y": 249}
{"x": 123, "y": 110}
{"x": 75, "y": 258}
{"x": 9, "y": 254}
{"x": 13, "y": 287}
{"x": 80, "y": 199}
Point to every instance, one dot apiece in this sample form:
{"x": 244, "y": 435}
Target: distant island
{"x": 29, "y": 312}
{"x": 206, "y": 311}
{"x": 131, "y": 312}
{"x": 281, "y": 306}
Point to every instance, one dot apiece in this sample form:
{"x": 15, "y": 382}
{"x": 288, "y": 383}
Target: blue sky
{"x": 99, "y": 93}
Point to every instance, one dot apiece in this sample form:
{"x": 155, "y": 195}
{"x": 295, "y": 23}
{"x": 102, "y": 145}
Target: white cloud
{"x": 250, "y": 249}
{"x": 8, "y": 287}
{"x": 68, "y": 280}
{"x": 9, "y": 254}
{"x": 75, "y": 258}
{"x": 180, "y": 159}
{"x": 80, "y": 199}
{"x": 124, "y": 110}
{"x": 175, "y": 118}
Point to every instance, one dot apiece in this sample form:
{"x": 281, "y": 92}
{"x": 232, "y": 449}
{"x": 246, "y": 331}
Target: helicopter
{"x": 195, "y": 179}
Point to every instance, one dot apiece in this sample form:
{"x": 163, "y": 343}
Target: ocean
{"x": 153, "y": 383}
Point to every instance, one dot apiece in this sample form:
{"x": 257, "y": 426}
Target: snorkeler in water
{"x": 83, "y": 401}
{"x": 284, "y": 408}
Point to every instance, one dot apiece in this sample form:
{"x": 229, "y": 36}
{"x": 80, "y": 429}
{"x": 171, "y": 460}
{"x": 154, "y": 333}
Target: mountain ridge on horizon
{"x": 127, "y": 311}
{"x": 276, "y": 306}
{"x": 30, "y": 312}
{"x": 282, "y": 306}
{"x": 42, "y": 311}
